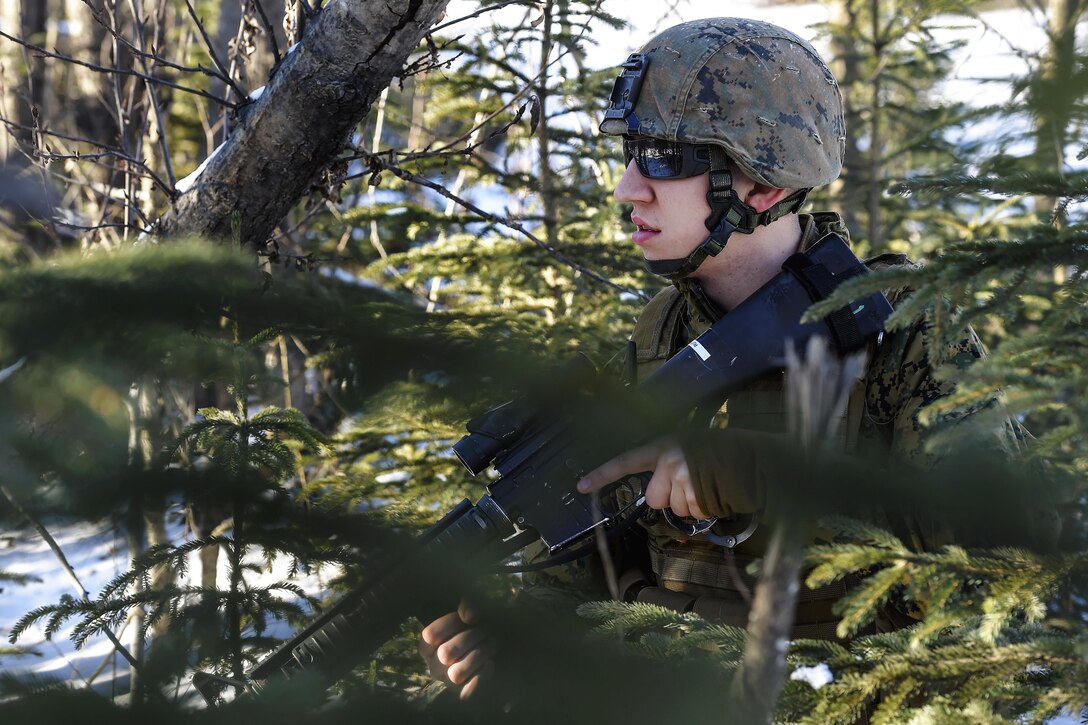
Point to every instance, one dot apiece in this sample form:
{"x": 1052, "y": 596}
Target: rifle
{"x": 539, "y": 455}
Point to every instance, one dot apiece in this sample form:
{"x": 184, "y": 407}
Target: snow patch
{"x": 72, "y": 28}
{"x": 816, "y": 676}
{"x": 345, "y": 276}
{"x": 183, "y": 185}
{"x": 257, "y": 93}
{"x": 11, "y": 369}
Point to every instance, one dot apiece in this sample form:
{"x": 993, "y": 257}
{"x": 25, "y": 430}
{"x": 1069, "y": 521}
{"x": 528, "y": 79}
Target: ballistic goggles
{"x": 660, "y": 159}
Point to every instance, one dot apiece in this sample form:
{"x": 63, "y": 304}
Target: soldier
{"x": 726, "y": 124}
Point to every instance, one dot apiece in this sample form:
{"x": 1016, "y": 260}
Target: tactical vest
{"x": 697, "y": 569}
{"x": 674, "y": 317}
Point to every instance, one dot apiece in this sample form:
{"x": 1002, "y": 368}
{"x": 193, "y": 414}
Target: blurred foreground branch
{"x": 817, "y": 390}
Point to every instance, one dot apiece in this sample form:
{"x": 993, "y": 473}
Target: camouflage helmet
{"x": 754, "y": 88}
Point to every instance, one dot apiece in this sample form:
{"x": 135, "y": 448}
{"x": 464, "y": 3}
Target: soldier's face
{"x": 668, "y": 214}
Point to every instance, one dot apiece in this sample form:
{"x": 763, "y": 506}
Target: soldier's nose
{"x": 632, "y": 187}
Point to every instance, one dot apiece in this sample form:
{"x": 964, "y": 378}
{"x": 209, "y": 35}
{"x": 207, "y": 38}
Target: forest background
{"x": 261, "y": 268}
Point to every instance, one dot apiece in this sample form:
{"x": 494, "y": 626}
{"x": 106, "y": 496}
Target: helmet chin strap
{"x": 675, "y": 270}
{"x": 728, "y": 214}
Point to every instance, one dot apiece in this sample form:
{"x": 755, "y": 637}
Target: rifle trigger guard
{"x": 692, "y": 529}
{"x": 689, "y": 528}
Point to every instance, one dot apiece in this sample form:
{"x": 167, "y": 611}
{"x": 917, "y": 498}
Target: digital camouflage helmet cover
{"x": 758, "y": 94}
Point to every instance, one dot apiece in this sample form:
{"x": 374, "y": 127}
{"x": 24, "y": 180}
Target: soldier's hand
{"x": 457, "y": 651}
{"x": 669, "y": 487}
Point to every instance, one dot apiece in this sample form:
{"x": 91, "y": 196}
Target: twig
{"x": 156, "y": 109}
{"x": 116, "y": 71}
{"x": 502, "y": 221}
{"x": 476, "y": 14}
{"x": 78, "y": 139}
{"x": 532, "y": 83}
{"x": 472, "y": 137}
{"x": 119, "y": 155}
{"x": 210, "y": 47}
{"x": 96, "y": 227}
{"x": 269, "y": 31}
{"x": 159, "y": 60}
{"x": 59, "y": 553}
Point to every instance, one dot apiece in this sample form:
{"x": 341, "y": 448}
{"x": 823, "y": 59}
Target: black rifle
{"x": 540, "y": 453}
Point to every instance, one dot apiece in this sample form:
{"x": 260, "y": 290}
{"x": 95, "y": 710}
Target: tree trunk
{"x": 349, "y": 54}
{"x": 876, "y": 139}
{"x": 759, "y": 681}
{"x": 847, "y": 191}
{"x": 147, "y": 516}
{"x": 817, "y": 390}
{"x": 1052, "y": 121}
{"x": 543, "y": 137}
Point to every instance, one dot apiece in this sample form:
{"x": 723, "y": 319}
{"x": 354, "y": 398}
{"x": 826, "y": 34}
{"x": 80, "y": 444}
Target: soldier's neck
{"x": 749, "y": 261}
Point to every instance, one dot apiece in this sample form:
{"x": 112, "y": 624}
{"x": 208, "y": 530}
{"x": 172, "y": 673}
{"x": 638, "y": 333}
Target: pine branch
{"x": 377, "y": 162}
{"x": 59, "y": 554}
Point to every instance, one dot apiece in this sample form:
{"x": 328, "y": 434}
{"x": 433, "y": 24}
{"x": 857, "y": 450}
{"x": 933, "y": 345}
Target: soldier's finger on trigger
{"x": 633, "y": 461}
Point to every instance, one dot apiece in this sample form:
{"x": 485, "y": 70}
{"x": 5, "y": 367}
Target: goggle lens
{"x": 660, "y": 159}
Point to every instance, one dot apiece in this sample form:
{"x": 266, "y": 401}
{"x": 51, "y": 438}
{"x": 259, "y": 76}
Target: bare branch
{"x": 116, "y": 71}
{"x": 169, "y": 190}
{"x": 467, "y": 151}
{"x": 478, "y": 13}
{"x": 57, "y": 134}
{"x": 156, "y": 109}
{"x": 210, "y": 47}
{"x": 158, "y": 59}
{"x": 530, "y": 86}
{"x": 268, "y": 30}
{"x": 96, "y": 227}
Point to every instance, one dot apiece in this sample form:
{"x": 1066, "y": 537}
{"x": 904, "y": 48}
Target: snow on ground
{"x": 92, "y": 550}
{"x": 97, "y": 551}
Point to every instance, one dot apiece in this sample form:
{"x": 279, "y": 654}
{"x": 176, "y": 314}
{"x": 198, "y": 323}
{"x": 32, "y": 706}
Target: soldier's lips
{"x": 643, "y": 231}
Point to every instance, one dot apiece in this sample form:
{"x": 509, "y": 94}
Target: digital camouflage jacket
{"x": 881, "y": 422}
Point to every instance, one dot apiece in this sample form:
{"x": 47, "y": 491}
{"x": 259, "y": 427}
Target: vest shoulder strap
{"x": 658, "y": 324}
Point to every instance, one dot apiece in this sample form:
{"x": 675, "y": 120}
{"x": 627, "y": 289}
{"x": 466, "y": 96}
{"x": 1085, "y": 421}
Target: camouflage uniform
{"x": 880, "y": 420}
{"x": 761, "y": 94}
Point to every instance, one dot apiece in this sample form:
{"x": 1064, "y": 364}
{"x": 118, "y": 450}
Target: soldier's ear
{"x": 762, "y": 197}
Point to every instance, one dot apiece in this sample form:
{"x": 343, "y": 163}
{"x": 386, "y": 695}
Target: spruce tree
{"x": 890, "y": 65}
